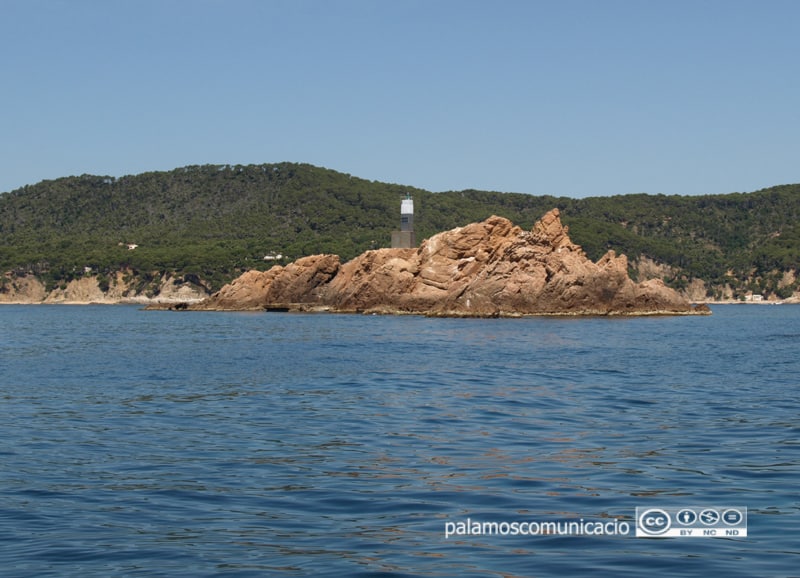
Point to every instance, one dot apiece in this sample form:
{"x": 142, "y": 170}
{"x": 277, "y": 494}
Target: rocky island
{"x": 487, "y": 269}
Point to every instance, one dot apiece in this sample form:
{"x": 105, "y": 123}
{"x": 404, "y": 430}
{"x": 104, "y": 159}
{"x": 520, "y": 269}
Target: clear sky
{"x": 563, "y": 97}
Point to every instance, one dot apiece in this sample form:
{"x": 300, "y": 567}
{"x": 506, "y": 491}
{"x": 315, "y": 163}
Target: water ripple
{"x": 161, "y": 444}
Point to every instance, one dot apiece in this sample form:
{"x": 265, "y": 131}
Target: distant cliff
{"x": 121, "y": 287}
{"x": 485, "y": 269}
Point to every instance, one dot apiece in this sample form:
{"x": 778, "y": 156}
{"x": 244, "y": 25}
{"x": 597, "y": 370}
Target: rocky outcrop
{"x": 22, "y": 289}
{"x": 492, "y": 268}
{"x": 300, "y": 282}
{"x": 83, "y": 290}
{"x": 119, "y": 287}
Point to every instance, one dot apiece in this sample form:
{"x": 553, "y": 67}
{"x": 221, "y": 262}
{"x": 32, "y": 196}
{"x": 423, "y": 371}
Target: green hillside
{"x": 213, "y": 222}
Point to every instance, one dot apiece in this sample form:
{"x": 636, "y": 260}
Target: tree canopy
{"x": 214, "y": 221}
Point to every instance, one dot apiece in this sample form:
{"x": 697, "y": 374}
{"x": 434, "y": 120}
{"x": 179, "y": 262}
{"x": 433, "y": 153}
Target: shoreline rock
{"x": 487, "y": 269}
{"x": 29, "y": 290}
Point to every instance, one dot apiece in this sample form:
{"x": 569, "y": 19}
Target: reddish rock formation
{"x": 279, "y": 288}
{"x": 483, "y": 269}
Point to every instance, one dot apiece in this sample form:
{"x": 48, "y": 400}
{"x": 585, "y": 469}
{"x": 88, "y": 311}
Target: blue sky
{"x": 570, "y": 97}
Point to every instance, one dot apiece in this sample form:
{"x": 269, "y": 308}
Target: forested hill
{"x": 213, "y": 222}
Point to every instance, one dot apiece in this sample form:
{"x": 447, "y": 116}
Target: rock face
{"x": 29, "y": 289}
{"x": 301, "y": 282}
{"x": 492, "y": 268}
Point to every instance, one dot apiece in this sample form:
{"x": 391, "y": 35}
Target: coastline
{"x": 144, "y": 301}
{"x": 120, "y": 289}
{"x": 789, "y": 301}
{"x": 156, "y": 303}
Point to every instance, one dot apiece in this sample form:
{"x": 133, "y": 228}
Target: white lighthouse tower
{"x": 405, "y": 238}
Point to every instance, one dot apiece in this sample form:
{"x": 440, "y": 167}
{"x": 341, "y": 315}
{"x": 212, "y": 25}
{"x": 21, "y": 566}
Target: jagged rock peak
{"x": 550, "y": 231}
{"x": 483, "y": 269}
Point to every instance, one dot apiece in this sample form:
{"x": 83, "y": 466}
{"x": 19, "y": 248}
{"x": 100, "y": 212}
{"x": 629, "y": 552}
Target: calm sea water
{"x": 226, "y": 444}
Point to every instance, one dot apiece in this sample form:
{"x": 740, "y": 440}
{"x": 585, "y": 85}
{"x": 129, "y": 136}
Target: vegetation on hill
{"x": 212, "y": 222}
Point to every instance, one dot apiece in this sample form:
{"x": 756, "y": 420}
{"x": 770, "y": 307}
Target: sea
{"x": 159, "y": 443}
